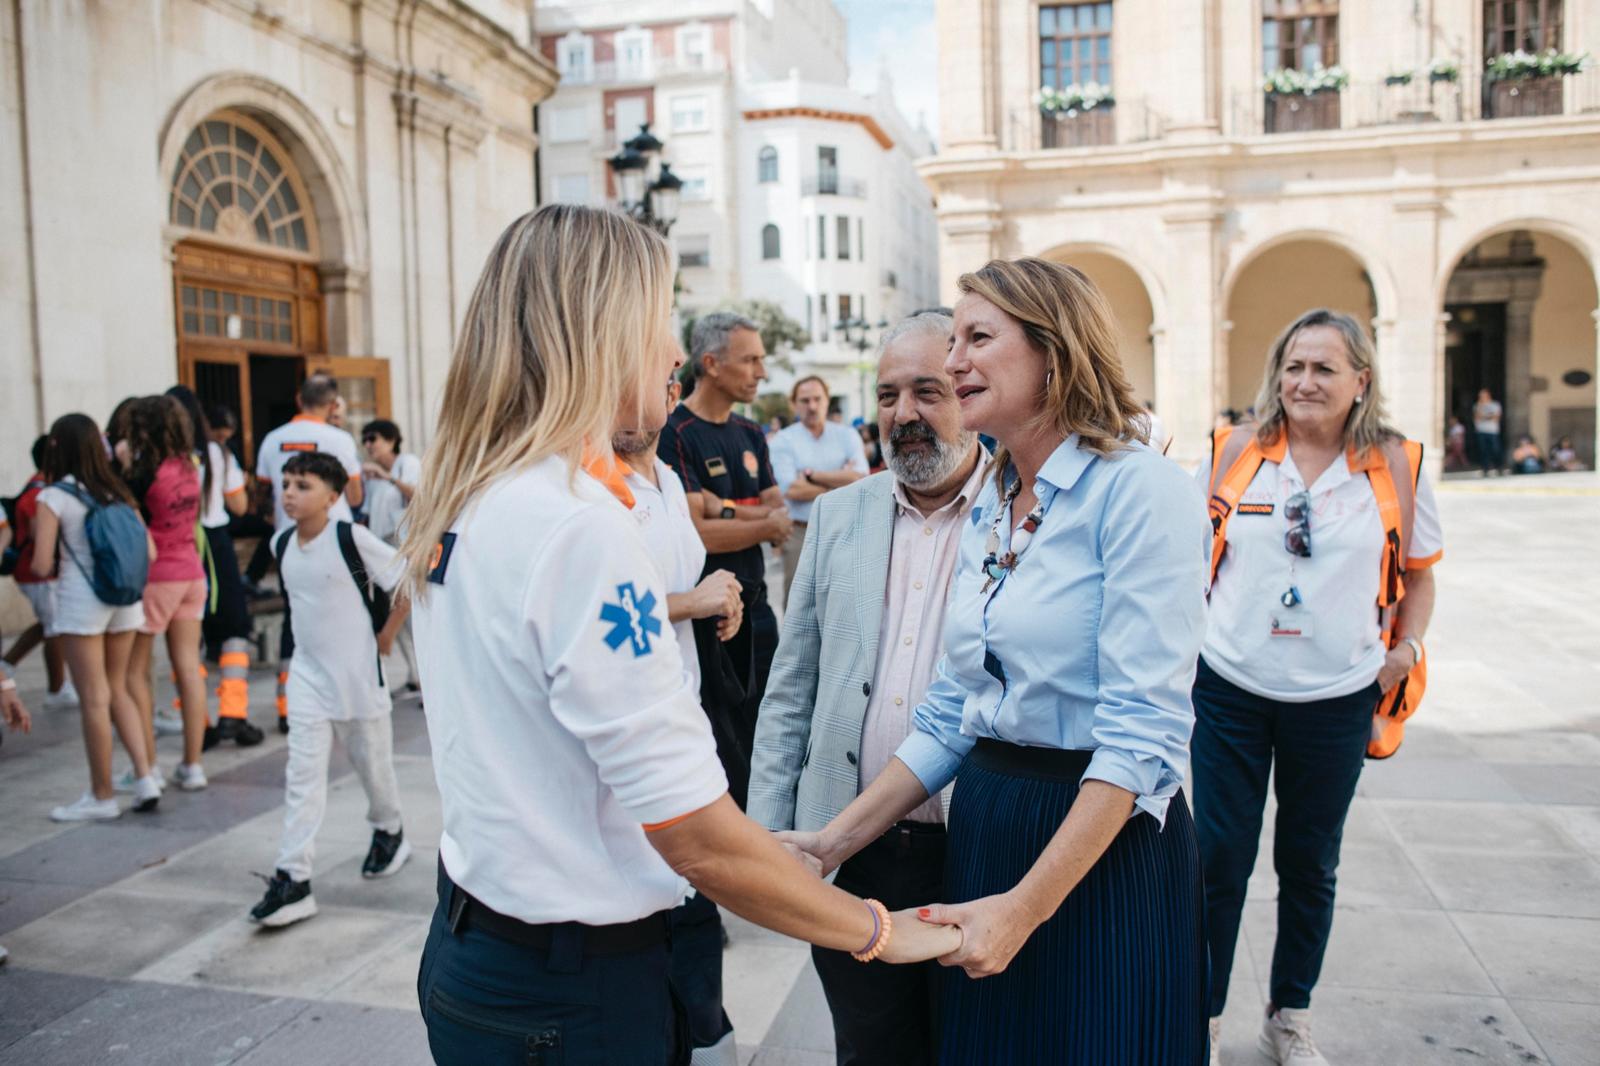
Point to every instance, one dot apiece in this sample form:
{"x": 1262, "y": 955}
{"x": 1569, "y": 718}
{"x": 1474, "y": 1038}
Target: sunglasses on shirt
{"x": 1297, "y": 509}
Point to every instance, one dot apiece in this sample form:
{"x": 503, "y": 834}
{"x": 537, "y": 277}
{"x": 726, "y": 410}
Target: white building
{"x": 231, "y": 193}
{"x": 797, "y": 190}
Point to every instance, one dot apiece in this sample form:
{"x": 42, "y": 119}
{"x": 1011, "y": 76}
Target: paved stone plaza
{"x": 1468, "y": 927}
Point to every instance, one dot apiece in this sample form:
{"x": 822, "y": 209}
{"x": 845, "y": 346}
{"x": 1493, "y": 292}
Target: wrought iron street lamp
{"x": 648, "y": 188}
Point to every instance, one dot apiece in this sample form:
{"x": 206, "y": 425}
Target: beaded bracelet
{"x": 882, "y": 927}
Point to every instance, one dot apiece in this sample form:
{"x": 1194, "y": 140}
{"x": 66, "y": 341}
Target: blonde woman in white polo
{"x": 1295, "y": 658}
{"x": 578, "y": 776}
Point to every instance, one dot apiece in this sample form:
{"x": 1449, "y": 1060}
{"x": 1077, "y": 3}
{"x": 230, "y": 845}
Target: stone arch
{"x": 339, "y": 220}
{"x": 1520, "y": 303}
{"x": 1137, "y": 299}
{"x": 1277, "y": 279}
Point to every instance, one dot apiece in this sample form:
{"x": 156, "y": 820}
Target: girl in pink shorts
{"x": 165, "y": 478}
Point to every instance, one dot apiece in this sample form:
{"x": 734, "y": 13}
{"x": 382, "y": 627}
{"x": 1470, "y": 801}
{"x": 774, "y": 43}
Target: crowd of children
{"x": 124, "y": 535}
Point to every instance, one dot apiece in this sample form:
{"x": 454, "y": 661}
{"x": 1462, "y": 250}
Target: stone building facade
{"x": 231, "y": 193}
{"x": 1456, "y": 211}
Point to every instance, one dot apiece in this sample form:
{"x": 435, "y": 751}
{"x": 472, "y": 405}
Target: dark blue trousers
{"x": 697, "y": 970}
{"x": 1318, "y": 749}
{"x": 489, "y": 1002}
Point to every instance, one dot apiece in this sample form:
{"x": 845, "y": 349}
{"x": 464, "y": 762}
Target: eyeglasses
{"x": 1297, "y": 509}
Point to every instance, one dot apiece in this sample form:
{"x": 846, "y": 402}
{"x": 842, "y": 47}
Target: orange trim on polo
{"x": 308, "y": 418}
{"x": 1423, "y": 564}
{"x": 656, "y": 827}
{"x": 234, "y": 492}
{"x": 608, "y": 468}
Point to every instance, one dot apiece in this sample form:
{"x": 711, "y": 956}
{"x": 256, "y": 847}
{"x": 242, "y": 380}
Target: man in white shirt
{"x": 809, "y": 458}
{"x": 870, "y": 590}
{"x": 389, "y": 478}
{"x": 310, "y": 431}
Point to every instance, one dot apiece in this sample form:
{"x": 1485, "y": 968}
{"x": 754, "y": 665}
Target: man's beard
{"x": 924, "y": 469}
{"x": 633, "y": 441}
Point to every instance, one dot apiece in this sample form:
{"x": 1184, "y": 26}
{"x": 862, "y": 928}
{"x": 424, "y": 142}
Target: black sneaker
{"x": 238, "y": 730}
{"x": 286, "y": 902}
{"x": 388, "y": 853}
{"x": 283, "y": 724}
{"x": 213, "y": 737}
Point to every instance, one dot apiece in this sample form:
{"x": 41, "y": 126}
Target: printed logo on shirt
{"x": 716, "y": 467}
{"x": 441, "y": 559}
{"x": 977, "y": 516}
{"x": 1257, "y": 508}
{"x": 633, "y": 620}
{"x": 297, "y": 446}
{"x": 752, "y": 465}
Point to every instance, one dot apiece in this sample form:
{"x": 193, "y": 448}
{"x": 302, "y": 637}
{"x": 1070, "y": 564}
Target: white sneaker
{"x": 189, "y": 777}
{"x": 87, "y": 809}
{"x": 146, "y": 793}
{"x": 168, "y": 723}
{"x": 1286, "y": 1039}
{"x": 126, "y": 782}
{"x": 60, "y": 701}
{"x": 1216, "y": 1041}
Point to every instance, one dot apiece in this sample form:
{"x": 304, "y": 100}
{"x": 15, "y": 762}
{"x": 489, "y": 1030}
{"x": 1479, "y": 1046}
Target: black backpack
{"x": 375, "y": 598}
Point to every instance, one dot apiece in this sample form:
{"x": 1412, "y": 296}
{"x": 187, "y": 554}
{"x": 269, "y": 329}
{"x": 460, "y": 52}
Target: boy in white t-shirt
{"x": 335, "y": 685}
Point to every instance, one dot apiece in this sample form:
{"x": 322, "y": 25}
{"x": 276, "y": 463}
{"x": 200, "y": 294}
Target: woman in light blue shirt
{"x": 1063, "y": 700}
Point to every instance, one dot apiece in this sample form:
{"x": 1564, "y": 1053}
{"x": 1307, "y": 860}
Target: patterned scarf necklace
{"x": 995, "y": 565}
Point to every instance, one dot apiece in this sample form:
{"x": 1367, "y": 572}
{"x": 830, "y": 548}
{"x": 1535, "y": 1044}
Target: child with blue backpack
{"x": 88, "y": 535}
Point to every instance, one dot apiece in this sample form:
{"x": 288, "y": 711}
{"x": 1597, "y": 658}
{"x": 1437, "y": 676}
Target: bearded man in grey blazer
{"x": 862, "y": 636}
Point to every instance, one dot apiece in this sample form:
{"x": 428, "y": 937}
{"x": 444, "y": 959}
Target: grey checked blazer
{"x": 804, "y": 769}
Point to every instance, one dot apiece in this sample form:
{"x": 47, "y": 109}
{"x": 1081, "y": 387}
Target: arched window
{"x": 767, "y": 165}
{"x": 235, "y": 180}
{"x": 770, "y": 245}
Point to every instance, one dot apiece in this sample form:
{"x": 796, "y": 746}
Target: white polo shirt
{"x": 385, "y": 504}
{"x": 560, "y": 715}
{"x": 675, "y": 545}
{"x": 227, "y": 479}
{"x": 304, "y": 433}
{"x": 1340, "y": 649}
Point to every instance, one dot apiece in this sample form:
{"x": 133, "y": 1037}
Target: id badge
{"x": 1290, "y": 623}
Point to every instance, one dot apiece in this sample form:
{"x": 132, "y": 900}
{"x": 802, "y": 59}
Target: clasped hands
{"x": 981, "y": 937}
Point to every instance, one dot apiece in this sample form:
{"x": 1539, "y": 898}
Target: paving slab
{"x": 92, "y": 856}
{"x": 343, "y": 1033}
{"x": 1537, "y": 957}
{"x": 1569, "y": 1033}
{"x": 1521, "y": 884}
{"x": 114, "y": 933}
{"x": 1551, "y": 783}
{"x": 1493, "y": 828}
{"x": 140, "y": 1024}
{"x": 1419, "y": 1029}
{"x": 23, "y": 901}
{"x": 31, "y": 998}
{"x": 308, "y": 959}
{"x": 1383, "y": 947}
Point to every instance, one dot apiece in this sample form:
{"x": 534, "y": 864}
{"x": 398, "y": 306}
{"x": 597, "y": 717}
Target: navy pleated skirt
{"x": 1118, "y": 975}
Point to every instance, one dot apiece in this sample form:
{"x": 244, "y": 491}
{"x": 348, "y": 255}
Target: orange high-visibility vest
{"x": 1393, "y": 468}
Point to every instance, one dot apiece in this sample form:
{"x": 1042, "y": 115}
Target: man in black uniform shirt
{"x": 737, "y": 506}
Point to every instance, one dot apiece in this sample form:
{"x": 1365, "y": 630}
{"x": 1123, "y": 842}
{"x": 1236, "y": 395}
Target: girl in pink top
{"x": 166, "y": 481}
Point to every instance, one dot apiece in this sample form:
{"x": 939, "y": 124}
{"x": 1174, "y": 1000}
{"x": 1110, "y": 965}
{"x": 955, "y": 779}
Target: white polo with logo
{"x": 561, "y": 718}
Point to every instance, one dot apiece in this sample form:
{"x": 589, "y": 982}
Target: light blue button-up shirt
{"x": 1094, "y": 636}
{"x": 794, "y": 449}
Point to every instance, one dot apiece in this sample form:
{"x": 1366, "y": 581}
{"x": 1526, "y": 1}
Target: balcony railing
{"x": 1123, "y": 122}
{"x": 831, "y": 184}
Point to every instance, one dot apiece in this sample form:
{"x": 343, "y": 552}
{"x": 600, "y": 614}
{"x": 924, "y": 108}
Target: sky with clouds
{"x": 896, "y": 36}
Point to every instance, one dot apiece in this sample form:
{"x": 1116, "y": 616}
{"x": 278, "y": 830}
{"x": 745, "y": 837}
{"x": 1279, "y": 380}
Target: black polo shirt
{"x": 727, "y": 460}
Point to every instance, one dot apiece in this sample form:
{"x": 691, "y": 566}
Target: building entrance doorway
{"x": 1474, "y": 359}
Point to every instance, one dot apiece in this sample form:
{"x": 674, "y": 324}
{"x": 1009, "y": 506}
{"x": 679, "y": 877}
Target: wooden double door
{"x": 250, "y": 329}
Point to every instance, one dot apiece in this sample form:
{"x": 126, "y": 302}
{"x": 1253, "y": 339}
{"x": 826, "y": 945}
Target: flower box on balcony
{"x": 1301, "y": 112}
{"x": 1078, "y": 129}
{"x": 1524, "y": 98}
